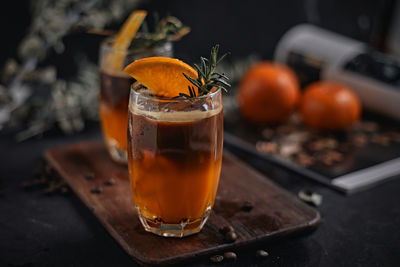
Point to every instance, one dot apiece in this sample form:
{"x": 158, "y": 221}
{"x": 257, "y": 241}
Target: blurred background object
{"x": 36, "y": 95}
{"x": 48, "y": 45}
{"x": 315, "y": 54}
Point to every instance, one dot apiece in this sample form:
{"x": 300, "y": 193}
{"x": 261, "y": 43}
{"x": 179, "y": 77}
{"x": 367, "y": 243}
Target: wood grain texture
{"x": 275, "y": 212}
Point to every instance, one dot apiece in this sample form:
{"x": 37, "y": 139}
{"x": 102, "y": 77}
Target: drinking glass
{"x": 174, "y": 159}
{"x": 114, "y": 95}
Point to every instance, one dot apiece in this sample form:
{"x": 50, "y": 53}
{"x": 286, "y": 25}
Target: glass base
{"x": 117, "y": 154}
{"x": 184, "y": 228}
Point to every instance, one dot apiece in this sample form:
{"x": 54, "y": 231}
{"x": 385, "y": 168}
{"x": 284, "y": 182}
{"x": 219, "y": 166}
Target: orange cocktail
{"x": 174, "y": 146}
{"x": 114, "y": 94}
{"x": 175, "y": 162}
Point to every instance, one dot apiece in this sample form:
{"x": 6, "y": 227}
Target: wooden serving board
{"x": 275, "y": 212}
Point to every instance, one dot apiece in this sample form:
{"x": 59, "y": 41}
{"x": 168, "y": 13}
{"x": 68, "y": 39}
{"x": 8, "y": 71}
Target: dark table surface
{"x": 58, "y": 230}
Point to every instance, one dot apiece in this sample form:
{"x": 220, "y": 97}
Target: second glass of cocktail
{"x": 115, "y": 84}
{"x": 114, "y": 94}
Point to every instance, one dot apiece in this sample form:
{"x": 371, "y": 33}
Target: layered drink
{"x": 175, "y": 153}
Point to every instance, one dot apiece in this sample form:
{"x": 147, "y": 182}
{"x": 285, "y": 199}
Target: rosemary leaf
{"x": 207, "y": 77}
{"x": 192, "y": 80}
{"x": 199, "y": 70}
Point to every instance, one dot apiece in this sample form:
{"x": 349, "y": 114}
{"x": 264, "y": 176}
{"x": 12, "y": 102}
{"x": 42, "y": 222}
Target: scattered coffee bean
{"x": 89, "y": 176}
{"x": 316, "y": 146}
{"x": 289, "y": 149}
{"x": 217, "y": 258}
{"x": 294, "y": 142}
{"x": 360, "y": 139}
{"x": 369, "y": 126}
{"x": 323, "y": 143}
{"x": 247, "y": 206}
{"x": 231, "y": 236}
{"x": 53, "y": 187}
{"x": 304, "y": 159}
{"x": 109, "y": 182}
{"x": 330, "y": 157}
{"x": 330, "y": 143}
{"x": 226, "y": 229}
{"x": 229, "y": 233}
{"x": 261, "y": 253}
{"x": 47, "y": 179}
{"x": 266, "y": 147}
{"x": 380, "y": 139}
{"x": 268, "y": 133}
{"x": 96, "y": 190}
{"x": 230, "y": 256}
{"x": 285, "y": 129}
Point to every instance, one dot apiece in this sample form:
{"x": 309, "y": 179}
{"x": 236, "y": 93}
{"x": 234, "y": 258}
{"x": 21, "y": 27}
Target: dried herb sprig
{"x": 207, "y": 77}
{"x": 167, "y": 29}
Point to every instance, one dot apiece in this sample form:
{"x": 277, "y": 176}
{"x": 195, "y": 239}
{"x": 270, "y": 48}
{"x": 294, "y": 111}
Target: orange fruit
{"x": 268, "y": 93}
{"x": 129, "y": 29}
{"x": 115, "y": 59}
{"x": 162, "y": 75}
{"x": 329, "y": 106}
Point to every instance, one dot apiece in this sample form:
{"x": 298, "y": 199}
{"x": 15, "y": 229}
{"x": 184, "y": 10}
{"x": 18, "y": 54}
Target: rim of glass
{"x": 107, "y": 42}
{"x": 160, "y": 98}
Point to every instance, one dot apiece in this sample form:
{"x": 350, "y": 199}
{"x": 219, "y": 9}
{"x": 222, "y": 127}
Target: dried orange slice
{"x": 162, "y": 75}
{"x": 115, "y": 60}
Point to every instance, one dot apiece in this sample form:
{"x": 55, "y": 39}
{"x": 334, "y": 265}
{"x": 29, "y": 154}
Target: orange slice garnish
{"x": 115, "y": 59}
{"x": 163, "y": 75}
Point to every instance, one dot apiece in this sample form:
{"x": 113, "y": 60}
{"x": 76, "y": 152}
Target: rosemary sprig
{"x": 207, "y": 77}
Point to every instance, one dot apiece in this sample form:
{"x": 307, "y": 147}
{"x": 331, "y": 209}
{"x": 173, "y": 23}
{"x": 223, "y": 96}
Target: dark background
{"x": 357, "y": 230}
{"x": 241, "y": 27}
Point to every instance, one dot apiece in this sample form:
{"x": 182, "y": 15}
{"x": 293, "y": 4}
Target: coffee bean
{"x": 230, "y": 237}
{"x": 266, "y": 147}
{"x": 230, "y": 256}
{"x": 109, "y": 182}
{"x": 217, "y": 258}
{"x": 360, "y": 139}
{"x": 96, "y": 190}
{"x": 330, "y": 157}
{"x": 304, "y": 159}
{"x": 261, "y": 253}
{"x": 224, "y": 230}
{"x": 247, "y": 206}
{"x": 380, "y": 139}
{"x": 268, "y": 133}
{"x": 369, "y": 126}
